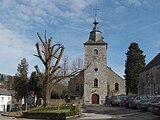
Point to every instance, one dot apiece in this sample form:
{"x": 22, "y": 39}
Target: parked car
{"x": 126, "y": 100}
{"x": 134, "y": 102}
{"x": 115, "y": 100}
{"x": 122, "y": 101}
{"x": 146, "y": 106}
{"x": 111, "y": 99}
{"x": 155, "y": 109}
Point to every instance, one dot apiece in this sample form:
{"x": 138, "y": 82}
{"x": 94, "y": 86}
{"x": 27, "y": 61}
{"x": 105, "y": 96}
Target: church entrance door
{"x": 95, "y": 99}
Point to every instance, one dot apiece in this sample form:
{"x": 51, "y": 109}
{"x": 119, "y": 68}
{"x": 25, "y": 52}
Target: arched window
{"x": 95, "y": 82}
{"x": 116, "y": 86}
{"x": 95, "y": 52}
{"x": 77, "y": 86}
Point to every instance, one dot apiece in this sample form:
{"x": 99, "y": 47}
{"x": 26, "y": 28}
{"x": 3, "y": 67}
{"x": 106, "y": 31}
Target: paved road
{"x": 105, "y": 113}
{"x": 114, "y": 113}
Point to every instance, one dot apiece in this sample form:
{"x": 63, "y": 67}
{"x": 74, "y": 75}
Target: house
{"x": 98, "y": 81}
{"x": 5, "y": 100}
{"x": 149, "y": 77}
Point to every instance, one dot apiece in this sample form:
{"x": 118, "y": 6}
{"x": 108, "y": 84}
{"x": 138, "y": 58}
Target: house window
{"x": 77, "y": 87}
{"x": 95, "y": 82}
{"x": 95, "y": 52}
{"x": 116, "y": 87}
{"x": 2, "y": 99}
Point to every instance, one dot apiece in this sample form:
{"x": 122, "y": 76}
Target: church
{"x": 98, "y": 81}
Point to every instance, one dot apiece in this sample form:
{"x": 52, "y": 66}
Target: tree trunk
{"x": 47, "y": 94}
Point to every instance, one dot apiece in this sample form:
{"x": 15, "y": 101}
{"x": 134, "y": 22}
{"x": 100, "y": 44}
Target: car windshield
{"x": 142, "y": 97}
{"x": 156, "y": 99}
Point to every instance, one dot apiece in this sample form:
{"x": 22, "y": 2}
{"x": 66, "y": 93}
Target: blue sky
{"x": 70, "y": 21}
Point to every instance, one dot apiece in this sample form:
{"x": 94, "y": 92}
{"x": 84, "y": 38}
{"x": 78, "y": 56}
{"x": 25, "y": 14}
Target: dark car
{"x": 155, "y": 109}
{"x": 126, "y": 100}
{"x": 116, "y": 100}
{"x": 146, "y": 106}
{"x": 134, "y": 103}
{"x": 122, "y": 101}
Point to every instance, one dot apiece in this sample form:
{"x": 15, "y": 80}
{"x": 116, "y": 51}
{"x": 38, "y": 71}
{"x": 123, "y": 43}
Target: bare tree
{"x": 77, "y": 64}
{"x": 50, "y": 55}
{"x": 64, "y": 69}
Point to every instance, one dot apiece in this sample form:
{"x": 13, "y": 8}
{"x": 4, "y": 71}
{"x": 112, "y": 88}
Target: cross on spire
{"x": 96, "y": 9}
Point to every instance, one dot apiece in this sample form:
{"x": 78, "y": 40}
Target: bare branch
{"x": 49, "y": 41}
{"x": 54, "y": 69}
{"x": 56, "y": 49}
{"x": 45, "y": 37}
{"x": 59, "y": 57}
{"x": 40, "y": 39}
{"x": 74, "y": 73}
{"x": 39, "y": 53}
{"x": 37, "y": 69}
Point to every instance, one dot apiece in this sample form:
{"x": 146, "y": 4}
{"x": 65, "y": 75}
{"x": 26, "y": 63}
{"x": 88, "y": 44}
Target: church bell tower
{"x": 95, "y": 79}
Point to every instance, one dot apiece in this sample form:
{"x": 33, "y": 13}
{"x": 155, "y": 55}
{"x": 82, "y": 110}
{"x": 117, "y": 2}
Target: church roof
{"x": 95, "y": 37}
{"x": 155, "y": 61}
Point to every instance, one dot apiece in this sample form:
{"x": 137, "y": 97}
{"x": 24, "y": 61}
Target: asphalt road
{"x": 114, "y": 113}
{"x": 97, "y": 112}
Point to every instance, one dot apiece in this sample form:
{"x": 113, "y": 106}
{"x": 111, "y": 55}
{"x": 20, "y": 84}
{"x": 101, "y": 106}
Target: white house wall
{"x": 4, "y": 101}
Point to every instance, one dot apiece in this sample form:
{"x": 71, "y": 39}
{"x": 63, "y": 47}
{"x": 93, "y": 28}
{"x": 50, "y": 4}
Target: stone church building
{"x": 98, "y": 81}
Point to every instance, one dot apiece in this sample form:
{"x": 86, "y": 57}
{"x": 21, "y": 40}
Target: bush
{"x": 52, "y": 112}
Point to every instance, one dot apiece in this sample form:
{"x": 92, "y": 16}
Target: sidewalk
{"x": 91, "y": 116}
{"x": 12, "y": 114}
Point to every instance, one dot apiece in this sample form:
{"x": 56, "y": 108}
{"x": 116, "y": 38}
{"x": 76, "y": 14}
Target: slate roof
{"x": 4, "y": 92}
{"x": 155, "y": 61}
{"x": 95, "y": 37}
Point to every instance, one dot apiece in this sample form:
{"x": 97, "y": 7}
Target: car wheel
{"x": 137, "y": 107}
{"x": 149, "y": 107}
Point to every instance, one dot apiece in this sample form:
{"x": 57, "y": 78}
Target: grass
{"x": 49, "y": 111}
{"x": 68, "y": 110}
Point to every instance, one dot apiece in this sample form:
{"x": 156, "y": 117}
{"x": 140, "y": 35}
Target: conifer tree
{"x": 21, "y": 79}
{"x": 134, "y": 64}
{"x": 35, "y": 85}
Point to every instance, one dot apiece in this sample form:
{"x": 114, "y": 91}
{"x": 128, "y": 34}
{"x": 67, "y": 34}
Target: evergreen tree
{"x": 35, "y": 85}
{"x": 21, "y": 79}
{"x": 133, "y": 65}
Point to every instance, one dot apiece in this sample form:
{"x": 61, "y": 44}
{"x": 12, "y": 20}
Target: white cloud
{"x": 25, "y": 13}
{"x": 120, "y": 9}
{"x": 13, "y": 48}
{"x": 134, "y": 2}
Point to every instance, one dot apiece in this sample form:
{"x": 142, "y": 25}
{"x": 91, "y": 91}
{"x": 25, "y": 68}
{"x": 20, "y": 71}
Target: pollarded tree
{"x": 21, "y": 79}
{"x": 50, "y": 55}
{"x": 133, "y": 65}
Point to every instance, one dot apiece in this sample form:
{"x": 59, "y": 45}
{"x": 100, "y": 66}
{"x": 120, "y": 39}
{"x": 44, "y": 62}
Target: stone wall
{"x": 149, "y": 81}
{"x": 112, "y": 79}
{"x": 79, "y": 79}
{"x": 96, "y": 61}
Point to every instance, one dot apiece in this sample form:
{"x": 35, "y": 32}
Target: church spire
{"x": 95, "y": 36}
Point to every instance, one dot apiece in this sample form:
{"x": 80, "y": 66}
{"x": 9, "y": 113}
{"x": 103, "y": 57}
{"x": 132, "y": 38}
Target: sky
{"x": 69, "y": 22}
